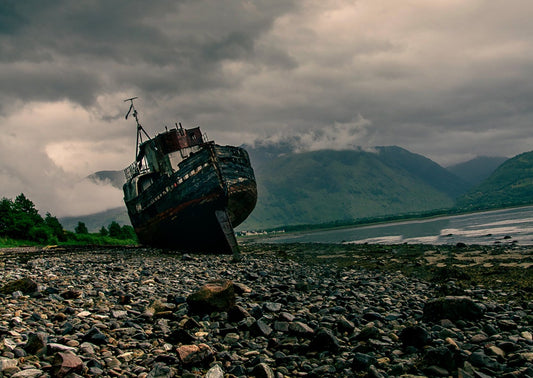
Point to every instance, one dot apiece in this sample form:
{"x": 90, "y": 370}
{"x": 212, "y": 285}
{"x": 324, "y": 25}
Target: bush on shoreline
{"x": 22, "y": 225}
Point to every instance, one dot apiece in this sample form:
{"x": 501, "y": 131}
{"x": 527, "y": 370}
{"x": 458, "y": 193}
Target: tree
{"x": 114, "y": 230}
{"x": 55, "y": 227}
{"x": 81, "y": 228}
{"x": 6, "y": 216}
{"x": 128, "y": 232}
{"x": 25, "y": 206}
{"x": 103, "y": 231}
{"x": 20, "y": 218}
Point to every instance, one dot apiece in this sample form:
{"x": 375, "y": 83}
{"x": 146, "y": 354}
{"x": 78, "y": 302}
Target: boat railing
{"x": 133, "y": 170}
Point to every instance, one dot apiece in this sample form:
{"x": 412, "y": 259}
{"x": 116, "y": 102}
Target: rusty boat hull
{"x": 195, "y": 207}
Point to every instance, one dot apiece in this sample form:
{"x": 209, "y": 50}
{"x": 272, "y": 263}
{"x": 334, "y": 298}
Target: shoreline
{"x": 318, "y": 228}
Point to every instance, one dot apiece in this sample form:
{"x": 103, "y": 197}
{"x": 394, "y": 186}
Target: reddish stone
{"x": 218, "y": 295}
{"x": 200, "y": 354}
{"x": 66, "y": 363}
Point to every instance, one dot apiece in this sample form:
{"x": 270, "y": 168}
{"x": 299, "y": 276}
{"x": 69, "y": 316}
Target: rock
{"x": 241, "y": 288}
{"x": 272, "y": 306}
{"x": 344, "y": 325}
{"x": 158, "y": 309}
{"x": 272, "y": 329}
{"x": 301, "y": 329}
{"x": 262, "y": 370}
{"x": 25, "y": 285}
{"x": 7, "y": 363}
{"x": 237, "y": 313}
{"x": 436, "y": 371}
{"x": 28, "y": 373}
{"x": 324, "y": 340}
{"x": 481, "y": 360}
{"x": 440, "y": 356}
{"x": 94, "y": 336}
{"x": 215, "y": 372}
{"x": 160, "y": 370}
{"x": 55, "y": 347}
{"x": 453, "y": 308}
{"x": 36, "y": 343}
{"x": 362, "y": 362}
{"x": 370, "y": 331}
{"x": 415, "y": 336}
{"x": 261, "y": 328}
{"x": 218, "y": 295}
{"x": 180, "y": 336}
{"x": 231, "y": 338}
{"x": 66, "y": 363}
{"x": 195, "y": 354}
{"x": 494, "y": 351}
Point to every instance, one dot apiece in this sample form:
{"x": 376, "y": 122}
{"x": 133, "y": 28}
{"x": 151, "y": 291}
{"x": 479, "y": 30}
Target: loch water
{"x": 505, "y": 226}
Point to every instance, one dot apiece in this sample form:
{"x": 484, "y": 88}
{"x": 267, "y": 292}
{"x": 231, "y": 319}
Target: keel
{"x": 227, "y": 229}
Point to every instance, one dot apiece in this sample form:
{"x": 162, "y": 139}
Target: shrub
{"x": 42, "y": 234}
{"x": 114, "y": 230}
{"x": 81, "y": 228}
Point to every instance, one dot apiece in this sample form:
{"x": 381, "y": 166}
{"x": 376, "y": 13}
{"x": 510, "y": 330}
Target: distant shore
{"x": 392, "y": 219}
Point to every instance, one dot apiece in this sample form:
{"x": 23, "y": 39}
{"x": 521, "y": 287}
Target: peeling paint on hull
{"x": 179, "y": 211}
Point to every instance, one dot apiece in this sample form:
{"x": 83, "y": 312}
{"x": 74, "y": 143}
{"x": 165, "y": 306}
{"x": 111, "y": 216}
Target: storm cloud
{"x": 447, "y": 79}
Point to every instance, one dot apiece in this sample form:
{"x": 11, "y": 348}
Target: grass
{"x": 77, "y": 240}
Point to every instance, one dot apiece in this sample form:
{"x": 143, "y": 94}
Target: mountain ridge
{"x": 476, "y": 170}
{"x": 317, "y": 187}
{"x": 511, "y": 184}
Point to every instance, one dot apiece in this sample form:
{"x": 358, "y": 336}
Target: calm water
{"x": 499, "y": 226}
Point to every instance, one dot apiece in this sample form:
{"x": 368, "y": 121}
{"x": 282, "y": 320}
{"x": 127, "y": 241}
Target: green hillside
{"x": 510, "y": 185}
{"x": 326, "y": 186}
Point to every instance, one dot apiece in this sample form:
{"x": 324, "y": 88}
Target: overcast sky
{"x": 448, "y": 79}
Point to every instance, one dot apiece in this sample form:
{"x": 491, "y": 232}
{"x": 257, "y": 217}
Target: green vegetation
{"x": 21, "y": 224}
{"x": 345, "y": 186}
{"x": 510, "y": 185}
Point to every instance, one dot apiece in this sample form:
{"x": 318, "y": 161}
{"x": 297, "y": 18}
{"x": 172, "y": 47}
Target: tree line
{"x": 20, "y": 220}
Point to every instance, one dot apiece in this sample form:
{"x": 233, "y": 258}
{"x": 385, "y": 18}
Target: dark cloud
{"x": 91, "y": 47}
{"x": 449, "y": 80}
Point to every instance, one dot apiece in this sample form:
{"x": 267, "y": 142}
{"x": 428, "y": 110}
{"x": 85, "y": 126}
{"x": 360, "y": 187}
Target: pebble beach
{"x": 285, "y": 311}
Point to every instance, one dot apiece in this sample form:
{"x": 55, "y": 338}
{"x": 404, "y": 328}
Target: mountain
{"x": 327, "y": 186}
{"x": 511, "y": 184}
{"x": 115, "y": 178}
{"x": 476, "y": 170}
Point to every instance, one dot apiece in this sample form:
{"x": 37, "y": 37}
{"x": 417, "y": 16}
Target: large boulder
{"x": 215, "y": 296}
{"x": 453, "y": 308}
{"x": 25, "y": 285}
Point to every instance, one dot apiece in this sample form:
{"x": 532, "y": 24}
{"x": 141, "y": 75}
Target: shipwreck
{"x": 187, "y": 193}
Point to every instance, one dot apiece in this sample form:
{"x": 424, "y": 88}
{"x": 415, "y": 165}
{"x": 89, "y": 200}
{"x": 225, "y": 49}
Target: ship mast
{"x": 140, "y": 129}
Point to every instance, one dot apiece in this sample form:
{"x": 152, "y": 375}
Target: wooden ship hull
{"x": 186, "y": 193}
{"x": 190, "y": 209}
